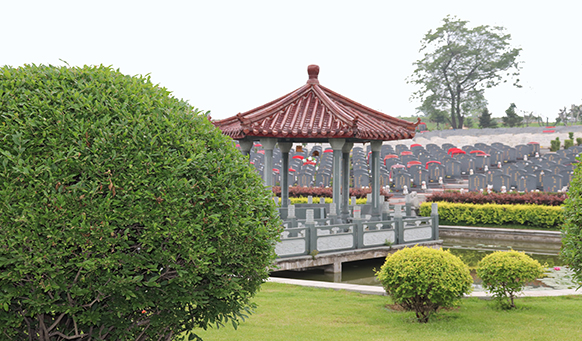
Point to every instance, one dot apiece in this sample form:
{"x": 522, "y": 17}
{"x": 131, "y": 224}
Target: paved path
{"x": 372, "y": 290}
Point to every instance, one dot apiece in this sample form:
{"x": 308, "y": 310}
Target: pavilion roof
{"x": 314, "y": 112}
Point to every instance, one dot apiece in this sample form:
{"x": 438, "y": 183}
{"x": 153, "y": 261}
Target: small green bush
{"x": 579, "y": 141}
{"x": 505, "y": 273}
{"x": 422, "y": 279}
{"x": 568, "y": 143}
{"x": 532, "y": 215}
{"x": 571, "y": 135}
{"x": 555, "y": 145}
{"x": 124, "y": 213}
{"x": 572, "y": 228}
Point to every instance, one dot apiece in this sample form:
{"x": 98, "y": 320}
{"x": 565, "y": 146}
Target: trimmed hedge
{"x": 537, "y": 198}
{"x": 471, "y": 214}
{"x": 295, "y": 192}
{"x": 303, "y": 200}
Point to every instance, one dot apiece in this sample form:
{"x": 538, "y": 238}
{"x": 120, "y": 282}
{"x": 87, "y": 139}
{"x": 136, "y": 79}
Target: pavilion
{"x": 315, "y": 114}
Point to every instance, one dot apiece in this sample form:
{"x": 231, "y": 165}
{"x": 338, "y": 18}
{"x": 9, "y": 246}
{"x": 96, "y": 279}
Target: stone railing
{"x": 313, "y": 236}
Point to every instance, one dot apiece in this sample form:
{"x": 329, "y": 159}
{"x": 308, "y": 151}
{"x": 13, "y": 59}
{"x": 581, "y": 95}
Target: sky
{"x": 228, "y": 57}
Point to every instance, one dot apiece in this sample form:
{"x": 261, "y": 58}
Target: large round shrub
{"x": 572, "y": 228}
{"x": 505, "y": 273}
{"x": 124, "y": 214}
{"x": 422, "y": 279}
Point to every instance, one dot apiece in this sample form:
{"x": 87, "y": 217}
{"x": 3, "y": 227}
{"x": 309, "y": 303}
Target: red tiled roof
{"x": 314, "y": 112}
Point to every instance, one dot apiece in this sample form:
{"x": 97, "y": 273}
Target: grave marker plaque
{"x": 521, "y": 150}
{"x": 567, "y": 176}
{"x": 361, "y": 179}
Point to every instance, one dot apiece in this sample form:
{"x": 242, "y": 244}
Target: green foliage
{"x": 568, "y": 143}
{"x": 470, "y": 214}
{"x": 571, "y": 135}
{"x": 458, "y": 64}
{"x": 485, "y": 120}
{"x": 469, "y": 122}
{"x": 572, "y": 228}
{"x": 579, "y": 141}
{"x": 555, "y": 145}
{"x": 511, "y": 118}
{"x": 504, "y": 274}
{"x": 125, "y": 214}
{"x": 422, "y": 279}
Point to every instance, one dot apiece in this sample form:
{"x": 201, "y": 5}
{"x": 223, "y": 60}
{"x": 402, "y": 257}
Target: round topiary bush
{"x": 125, "y": 215}
{"x": 422, "y": 279}
{"x": 505, "y": 273}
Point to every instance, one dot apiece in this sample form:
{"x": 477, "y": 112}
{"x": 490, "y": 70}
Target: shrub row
{"x": 303, "y": 200}
{"x": 296, "y": 192}
{"x": 537, "y": 198}
{"x": 533, "y": 215}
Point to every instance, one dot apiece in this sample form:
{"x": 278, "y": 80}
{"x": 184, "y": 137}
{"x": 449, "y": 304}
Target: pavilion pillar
{"x": 377, "y": 206}
{"x": 345, "y": 212}
{"x": 285, "y": 147}
{"x": 268, "y": 146}
{"x": 337, "y": 146}
{"x": 245, "y": 146}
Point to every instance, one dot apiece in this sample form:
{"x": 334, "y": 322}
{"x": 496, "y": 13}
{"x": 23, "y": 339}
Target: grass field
{"x": 288, "y": 312}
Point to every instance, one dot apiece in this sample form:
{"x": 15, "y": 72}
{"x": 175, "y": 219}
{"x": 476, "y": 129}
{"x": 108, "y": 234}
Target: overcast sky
{"x": 232, "y": 56}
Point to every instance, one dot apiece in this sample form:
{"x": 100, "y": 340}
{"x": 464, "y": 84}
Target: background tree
{"x": 124, "y": 213}
{"x": 563, "y": 116}
{"x": 469, "y": 122}
{"x": 511, "y": 118}
{"x": 459, "y": 63}
{"x": 435, "y": 115}
{"x": 486, "y": 121}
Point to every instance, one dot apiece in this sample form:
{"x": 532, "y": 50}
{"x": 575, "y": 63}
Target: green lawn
{"x": 288, "y": 312}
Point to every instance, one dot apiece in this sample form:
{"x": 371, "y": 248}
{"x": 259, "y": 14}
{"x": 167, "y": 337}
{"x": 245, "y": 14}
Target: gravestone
{"x": 540, "y": 173}
{"x": 452, "y": 169}
{"x": 435, "y": 171}
{"x": 418, "y": 176}
{"x": 514, "y": 177}
{"x": 467, "y": 163}
{"x": 500, "y": 180}
{"x": 490, "y": 174}
{"x": 481, "y": 161}
{"x": 527, "y": 183}
{"x": 304, "y": 179}
{"x": 477, "y": 182}
{"x": 401, "y": 180}
{"x": 567, "y": 176}
{"x": 361, "y": 179}
{"x": 384, "y": 179}
{"x": 521, "y": 150}
{"x": 323, "y": 179}
{"x": 552, "y": 182}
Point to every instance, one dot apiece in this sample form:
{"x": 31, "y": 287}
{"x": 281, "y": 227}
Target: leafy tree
{"x": 125, "y": 214}
{"x": 469, "y": 122}
{"x": 485, "y": 120}
{"x": 511, "y": 118}
{"x": 459, "y": 63}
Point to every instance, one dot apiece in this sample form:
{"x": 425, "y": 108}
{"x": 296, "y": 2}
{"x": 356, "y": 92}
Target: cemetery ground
{"x": 289, "y": 312}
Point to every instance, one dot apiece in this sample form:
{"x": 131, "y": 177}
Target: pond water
{"x": 469, "y": 250}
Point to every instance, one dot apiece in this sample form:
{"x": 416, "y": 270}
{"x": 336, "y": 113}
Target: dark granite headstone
{"x": 521, "y": 150}
{"x": 452, "y": 169}
{"x": 552, "y": 182}
{"x": 304, "y": 179}
{"x": 322, "y": 179}
{"x": 435, "y": 171}
{"x": 418, "y": 176}
{"x": 477, "y": 182}
{"x": 527, "y": 183}
{"x": 361, "y": 179}
{"x": 401, "y": 180}
{"x": 567, "y": 176}
{"x": 481, "y": 161}
{"x": 499, "y": 181}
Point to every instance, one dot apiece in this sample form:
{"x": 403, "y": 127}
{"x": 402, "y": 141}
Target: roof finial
{"x": 313, "y": 72}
